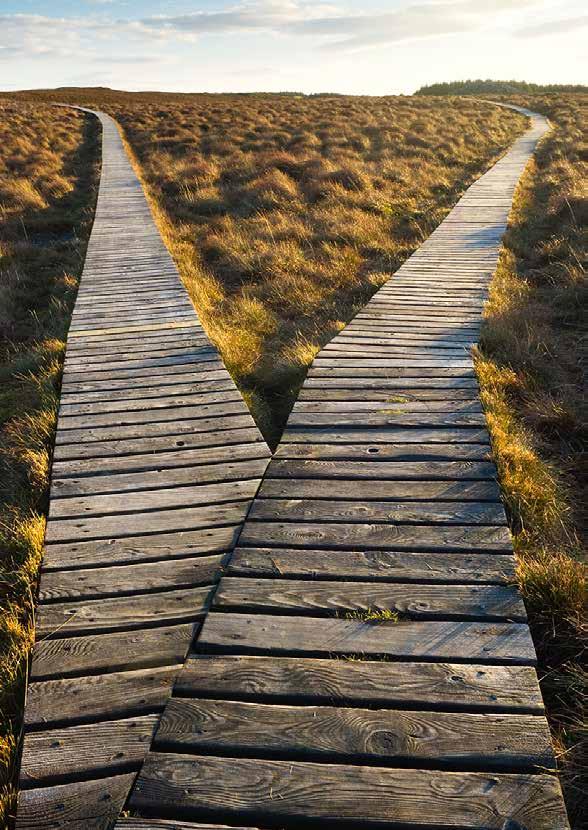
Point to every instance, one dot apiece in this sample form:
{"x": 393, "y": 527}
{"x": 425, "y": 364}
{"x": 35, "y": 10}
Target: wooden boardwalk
{"x": 366, "y": 661}
{"x": 156, "y": 461}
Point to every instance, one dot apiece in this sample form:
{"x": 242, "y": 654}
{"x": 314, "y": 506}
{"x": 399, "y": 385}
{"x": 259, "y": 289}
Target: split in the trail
{"x": 366, "y": 660}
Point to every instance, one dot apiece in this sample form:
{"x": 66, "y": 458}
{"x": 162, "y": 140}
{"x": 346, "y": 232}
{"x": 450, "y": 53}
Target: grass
{"x": 285, "y": 213}
{"x": 530, "y": 369}
{"x": 374, "y": 616}
{"x": 48, "y": 175}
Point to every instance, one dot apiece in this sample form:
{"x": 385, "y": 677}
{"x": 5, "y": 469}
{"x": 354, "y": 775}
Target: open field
{"x": 48, "y": 174}
{"x": 285, "y": 214}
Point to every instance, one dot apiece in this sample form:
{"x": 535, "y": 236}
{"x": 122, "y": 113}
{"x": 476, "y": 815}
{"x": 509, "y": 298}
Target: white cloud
{"x": 55, "y": 50}
{"x": 554, "y": 27}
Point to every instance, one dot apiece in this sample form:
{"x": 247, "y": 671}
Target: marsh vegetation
{"x": 284, "y": 214}
{"x": 48, "y": 175}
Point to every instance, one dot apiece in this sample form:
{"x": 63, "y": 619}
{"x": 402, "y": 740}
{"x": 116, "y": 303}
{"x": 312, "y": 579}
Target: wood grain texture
{"x": 78, "y": 656}
{"x": 361, "y": 682}
{"x": 335, "y": 734}
{"x": 99, "y": 697}
{"x": 298, "y": 596}
{"x": 422, "y": 640}
{"x": 282, "y": 791}
{"x": 83, "y": 805}
{"x": 114, "y": 746}
{"x": 121, "y": 613}
{"x": 375, "y": 565}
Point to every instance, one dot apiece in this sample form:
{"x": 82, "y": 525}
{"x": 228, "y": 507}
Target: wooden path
{"x": 156, "y": 461}
{"x": 366, "y": 661}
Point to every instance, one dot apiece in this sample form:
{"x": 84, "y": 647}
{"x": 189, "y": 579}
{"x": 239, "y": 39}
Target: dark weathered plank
{"x": 139, "y": 548}
{"x": 92, "y": 583}
{"x": 415, "y": 452}
{"x": 99, "y": 697}
{"x": 83, "y": 805}
{"x": 152, "y": 521}
{"x": 385, "y": 435}
{"x": 450, "y": 640}
{"x": 142, "y": 501}
{"x": 377, "y": 536}
{"x": 483, "y": 741}
{"x": 124, "y": 613}
{"x": 372, "y": 468}
{"x": 297, "y": 596}
{"x": 373, "y": 565}
{"x": 56, "y": 755}
{"x": 379, "y": 490}
{"x": 361, "y": 682}
{"x": 393, "y": 512}
{"x": 111, "y": 652}
{"x": 282, "y": 791}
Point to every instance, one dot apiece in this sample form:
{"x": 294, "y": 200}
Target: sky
{"x": 373, "y": 47}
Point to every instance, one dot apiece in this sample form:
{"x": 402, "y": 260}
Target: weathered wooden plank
{"x": 131, "y": 417}
{"x": 143, "y": 393}
{"x": 335, "y": 734}
{"x": 391, "y": 417}
{"x": 155, "y": 521}
{"x": 132, "y": 549}
{"x": 58, "y": 755}
{"x": 64, "y": 619}
{"x": 111, "y": 652}
{"x": 347, "y": 489}
{"x": 361, "y": 682}
{"x": 168, "y": 474}
{"x": 92, "y": 583}
{"x": 385, "y": 435}
{"x": 91, "y": 409}
{"x": 384, "y": 452}
{"x": 83, "y": 805}
{"x": 424, "y": 640}
{"x": 395, "y": 512}
{"x": 377, "y": 536}
{"x": 330, "y": 598}
{"x": 418, "y": 396}
{"x": 99, "y": 697}
{"x": 282, "y": 791}
{"x": 178, "y": 439}
{"x": 97, "y": 436}
{"x": 375, "y": 565}
{"x": 150, "y": 500}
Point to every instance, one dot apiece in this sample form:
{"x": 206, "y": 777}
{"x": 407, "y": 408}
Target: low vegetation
{"x": 489, "y": 87}
{"x": 286, "y": 212}
{"x": 531, "y": 374}
{"x": 48, "y": 174}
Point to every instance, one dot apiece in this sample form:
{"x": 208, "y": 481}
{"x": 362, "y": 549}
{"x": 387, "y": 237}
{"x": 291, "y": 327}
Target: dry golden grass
{"x": 47, "y": 179}
{"x": 285, "y": 213}
{"x": 532, "y": 382}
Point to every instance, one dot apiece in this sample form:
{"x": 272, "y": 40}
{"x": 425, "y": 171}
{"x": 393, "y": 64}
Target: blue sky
{"x": 353, "y": 46}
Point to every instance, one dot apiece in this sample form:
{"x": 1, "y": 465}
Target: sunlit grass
{"x": 286, "y": 213}
{"x": 529, "y": 367}
{"x": 48, "y": 173}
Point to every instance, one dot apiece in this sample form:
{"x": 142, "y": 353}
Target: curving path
{"x": 366, "y": 662}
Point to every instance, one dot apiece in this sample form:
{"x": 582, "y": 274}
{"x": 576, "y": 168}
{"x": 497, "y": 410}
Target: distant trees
{"x": 475, "y": 87}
